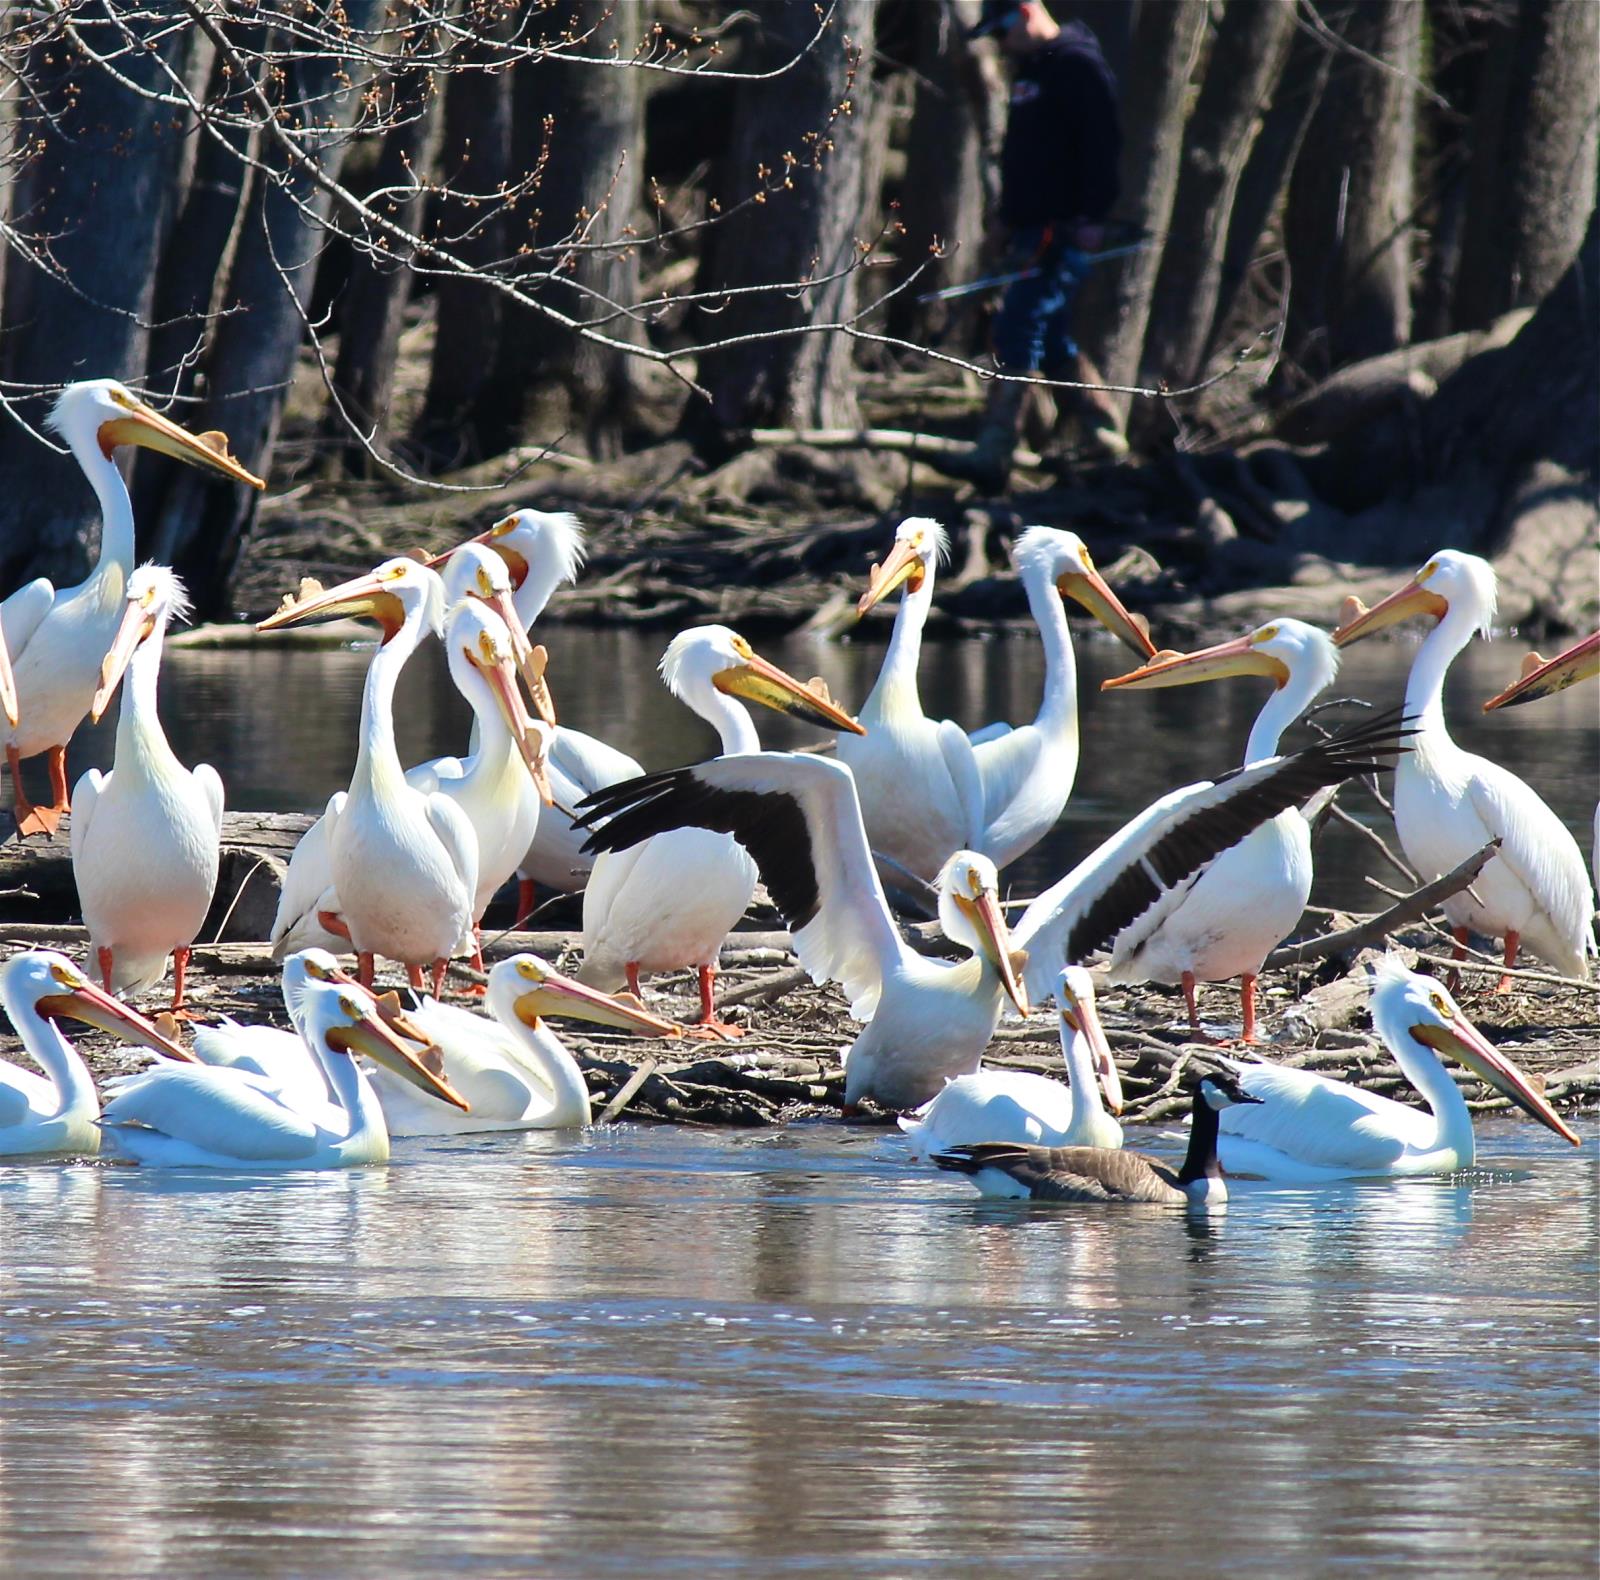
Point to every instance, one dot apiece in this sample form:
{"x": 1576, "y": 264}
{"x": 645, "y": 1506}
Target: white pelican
{"x": 1543, "y": 677}
{"x": 281, "y": 1057}
{"x": 147, "y": 835}
{"x": 926, "y": 789}
{"x": 1449, "y": 803}
{"x": 514, "y": 1070}
{"x": 201, "y": 1116}
{"x": 1252, "y": 896}
{"x": 543, "y": 549}
{"x": 1017, "y": 1106}
{"x": 1096, "y": 1174}
{"x": 930, "y": 1020}
{"x": 499, "y": 785}
{"x": 404, "y": 863}
{"x": 1028, "y": 773}
{"x": 1310, "y": 1128}
{"x": 58, "y": 1111}
{"x": 57, "y": 638}
{"x": 669, "y": 901}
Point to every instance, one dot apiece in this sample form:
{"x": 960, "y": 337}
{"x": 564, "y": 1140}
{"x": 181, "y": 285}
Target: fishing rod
{"x": 989, "y": 281}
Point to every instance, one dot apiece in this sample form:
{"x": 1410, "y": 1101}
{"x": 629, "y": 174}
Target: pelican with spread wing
{"x": 930, "y": 1020}
{"x": 669, "y": 900}
{"x": 1253, "y": 895}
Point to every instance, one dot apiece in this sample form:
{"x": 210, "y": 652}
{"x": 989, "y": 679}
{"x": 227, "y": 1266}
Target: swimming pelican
{"x": 147, "y": 835}
{"x": 202, "y": 1116}
{"x": 926, "y": 789}
{"x": 1028, "y": 773}
{"x": 57, "y": 1112}
{"x": 670, "y": 900}
{"x": 1252, "y": 896}
{"x": 499, "y": 785}
{"x": 543, "y": 549}
{"x": 1017, "y": 1106}
{"x": 1095, "y": 1174}
{"x": 281, "y": 1057}
{"x": 929, "y": 1020}
{"x": 58, "y": 637}
{"x": 514, "y": 1070}
{"x": 1310, "y": 1128}
{"x": 1544, "y": 678}
{"x": 404, "y": 863}
{"x": 1449, "y": 803}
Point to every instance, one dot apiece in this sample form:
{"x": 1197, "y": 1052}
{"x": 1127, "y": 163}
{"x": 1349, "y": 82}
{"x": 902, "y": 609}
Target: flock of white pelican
{"x": 1199, "y": 887}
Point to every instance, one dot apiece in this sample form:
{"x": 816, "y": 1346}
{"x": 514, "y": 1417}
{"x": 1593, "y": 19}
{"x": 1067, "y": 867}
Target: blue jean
{"x": 1033, "y": 329}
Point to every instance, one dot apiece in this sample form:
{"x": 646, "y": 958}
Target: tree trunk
{"x": 941, "y": 198}
{"x": 99, "y": 190}
{"x": 1348, "y": 224}
{"x": 1533, "y": 158}
{"x": 589, "y": 125}
{"x": 202, "y": 528}
{"x": 374, "y": 307}
{"x": 475, "y": 159}
{"x": 1259, "y": 198}
{"x": 1116, "y": 306}
{"x": 1510, "y": 438}
{"x": 195, "y": 264}
{"x": 807, "y": 228}
{"x": 1244, "y": 67}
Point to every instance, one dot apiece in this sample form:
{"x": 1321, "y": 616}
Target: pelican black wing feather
{"x": 1200, "y": 836}
{"x": 769, "y": 824}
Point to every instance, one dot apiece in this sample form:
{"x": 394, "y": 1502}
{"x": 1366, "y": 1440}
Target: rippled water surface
{"x": 668, "y": 1352}
{"x": 652, "y": 1351}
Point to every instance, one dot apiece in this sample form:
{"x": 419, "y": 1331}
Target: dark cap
{"x": 997, "y": 17}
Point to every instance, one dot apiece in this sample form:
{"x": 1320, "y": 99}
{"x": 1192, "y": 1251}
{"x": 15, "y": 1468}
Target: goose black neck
{"x": 1200, "y": 1162}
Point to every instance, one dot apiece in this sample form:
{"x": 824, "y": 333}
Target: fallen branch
{"x": 1337, "y": 812}
{"x": 625, "y": 1093}
{"x": 1375, "y": 929}
{"x": 1495, "y": 969}
{"x": 891, "y": 439}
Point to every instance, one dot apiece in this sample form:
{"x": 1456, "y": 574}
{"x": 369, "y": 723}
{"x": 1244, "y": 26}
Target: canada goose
{"x": 1000, "y": 1168}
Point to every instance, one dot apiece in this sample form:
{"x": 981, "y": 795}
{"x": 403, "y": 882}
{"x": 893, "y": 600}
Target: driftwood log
{"x": 255, "y": 855}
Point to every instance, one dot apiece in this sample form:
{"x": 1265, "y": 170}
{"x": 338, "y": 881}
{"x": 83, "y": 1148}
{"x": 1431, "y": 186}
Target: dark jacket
{"x": 1063, "y": 136}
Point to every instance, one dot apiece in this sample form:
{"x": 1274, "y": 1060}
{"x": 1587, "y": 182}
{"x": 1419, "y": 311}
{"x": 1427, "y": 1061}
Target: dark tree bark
{"x": 194, "y": 268}
{"x": 1533, "y": 158}
{"x": 474, "y": 159}
{"x": 373, "y": 312}
{"x": 942, "y": 197}
{"x": 1240, "y": 77}
{"x": 200, "y": 530}
{"x": 808, "y": 229}
{"x": 1459, "y": 39}
{"x": 1265, "y": 180}
{"x": 1114, "y": 311}
{"x": 1348, "y": 223}
{"x": 100, "y": 191}
{"x": 1508, "y": 445}
{"x": 588, "y": 125}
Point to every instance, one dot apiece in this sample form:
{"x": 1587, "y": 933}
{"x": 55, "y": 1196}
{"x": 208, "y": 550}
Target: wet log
{"x": 255, "y": 856}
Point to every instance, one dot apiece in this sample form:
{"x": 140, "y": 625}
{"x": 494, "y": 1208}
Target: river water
{"x": 663, "y": 1351}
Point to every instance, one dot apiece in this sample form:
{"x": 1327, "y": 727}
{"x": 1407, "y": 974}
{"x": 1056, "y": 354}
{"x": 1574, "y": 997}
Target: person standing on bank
{"x": 1058, "y": 181}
